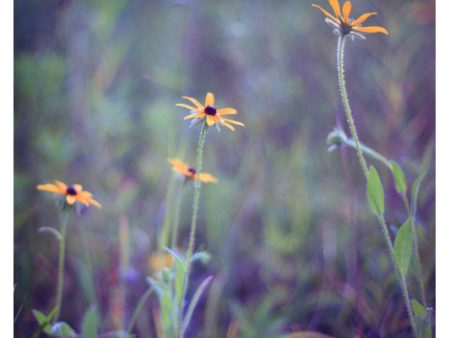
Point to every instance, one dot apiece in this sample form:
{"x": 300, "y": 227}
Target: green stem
{"x": 411, "y": 212}
{"x": 138, "y": 310}
{"x": 195, "y": 205}
{"x": 362, "y": 161}
{"x": 62, "y": 250}
{"x": 176, "y": 218}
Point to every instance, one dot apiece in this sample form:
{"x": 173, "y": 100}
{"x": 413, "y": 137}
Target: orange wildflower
{"x": 159, "y": 261}
{"x": 189, "y": 172}
{"x": 344, "y": 24}
{"x": 209, "y": 113}
{"x": 74, "y": 193}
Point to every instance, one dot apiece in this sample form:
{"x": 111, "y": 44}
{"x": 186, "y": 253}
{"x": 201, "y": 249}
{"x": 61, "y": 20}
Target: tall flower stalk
{"x": 62, "y": 251}
{"x": 195, "y": 206}
{"x": 341, "y": 82}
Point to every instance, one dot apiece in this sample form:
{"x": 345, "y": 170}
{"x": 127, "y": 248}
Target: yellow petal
{"x": 186, "y": 106}
{"x": 209, "y": 100}
{"x": 194, "y": 101}
{"x": 346, "y": 9}
{"x": 71, "y": 199}
{"x": 95, "y": 203}
{"x": 207, "y": 178}
{"x": 209, "y": 120}
{"x": 77, "y": 187}
{"x": 192, "y": 116}
{"x": 51, "y": 188}
{"x": 234, "y": 122}
{"x": 336, "y": 8}
{"x": 60, "y": 185}
{"x": 326, "y": 13}
{"x": 229, "y": 126}
{"x": 363, "y": 18}
{"x": 227, "y": 111}
{"x": 371, "y": 29}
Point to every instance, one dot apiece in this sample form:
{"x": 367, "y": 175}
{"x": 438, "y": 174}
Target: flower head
{"x": 159, "y": 261}
{"x": 189, "y": 172}
{"x": 73, "y": 193}
{"x": 342, "y": 22}
{"x": 209, "y": 113}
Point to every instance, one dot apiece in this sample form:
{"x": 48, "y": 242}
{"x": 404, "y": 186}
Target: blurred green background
{"x": 293, "y": 245}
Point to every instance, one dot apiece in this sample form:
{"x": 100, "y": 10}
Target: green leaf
{"x": 89, "y": 325}
{"x": 62, "y": 329}
{"x": 399, "y": 178}
{"x": 375, "y": 192}
{"x": 43, "y": 320}
{"x": 40, "y": 317}
{"x": 193, "y": 303}
{"x": 180, "y": 274}
{"x": 418, "y": 309}
{"x": 403, "y": 247}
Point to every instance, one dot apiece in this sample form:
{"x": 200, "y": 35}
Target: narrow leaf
{"x": 419, "y": 310}
{"x": 62, "y": 329}
{"x": 193, "y": 304}
{"x": 180, "y": 275}
{"x": 43, "y": 320}
{"x": 399, "y": 178}
{"x": 89, "y": 327}
{"x": 52, "y": 231}
{"x": 403, "y": 247}
{"x": 375, "y": 192}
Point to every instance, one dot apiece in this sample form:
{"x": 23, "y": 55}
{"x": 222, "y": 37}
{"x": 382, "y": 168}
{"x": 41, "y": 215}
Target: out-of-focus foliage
{"x": 293, "y": 245}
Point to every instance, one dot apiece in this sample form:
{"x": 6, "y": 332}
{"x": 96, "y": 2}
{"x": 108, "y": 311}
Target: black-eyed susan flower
{"x": 73, "y": 193}
{"x": 342, "y": 22}
{"x": 189, "y": 172}
{"x": 209, "y": 112}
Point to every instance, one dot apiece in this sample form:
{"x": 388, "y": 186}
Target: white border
{"x": 7, "y": 167}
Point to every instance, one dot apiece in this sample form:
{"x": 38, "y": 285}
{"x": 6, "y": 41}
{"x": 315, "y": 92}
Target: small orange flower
{"x": 344, "y": 24}
{"x": 209, "y": 112}
{"x": 74, "y": 193}
{"x": 185, "y": 170}
{"x": 158, "y": 261}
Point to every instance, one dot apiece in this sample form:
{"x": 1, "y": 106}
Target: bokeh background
{"x": 292, "y": 243}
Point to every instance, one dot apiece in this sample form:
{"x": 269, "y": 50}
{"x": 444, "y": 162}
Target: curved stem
{"x": 138, "y": 309}
{"x": 62, "y": 249}
{"x": 362, "y": 161}
{"x": 195, "y": 205}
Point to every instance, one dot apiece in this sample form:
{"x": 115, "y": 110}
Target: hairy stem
{"x": 362, "y": 161}
{"x": 195, "y": 205}
{"x": 62, "y": 251}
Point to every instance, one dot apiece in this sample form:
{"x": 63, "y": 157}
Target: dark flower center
{"x": 346, "y": 28}
{"x": 192, "y": 171}
{"x": 71, "y": 191}
{"x": 210, "y": 110}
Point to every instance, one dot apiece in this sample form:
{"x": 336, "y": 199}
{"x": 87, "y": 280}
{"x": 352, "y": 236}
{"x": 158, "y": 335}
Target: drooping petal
{"x": 209, "y": 100}
{"x": 346, "y": 9}
{"x": 77, "y": 187}
{"x": 226, "y": 111}
{"x": 336, "y": 8}
{"x": 187, "y": 106}
{"x": 51, "y": 188}
{"x": 362, "y": 18}
{"x": 60, "y": 185}
{"x": 233, "y": 121}
{"x": 71, "y": 199}
{"x": 95, "y": 203}
{"x": 209, "y": 120}
{"x": 229, "y": 126}
{"x": 192, "y": 116}
{"x": 207, "y": 178}
{"x": 194, "y": 101}
{"x": 328, "y": 14}
{"x": 371, "y": 29}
